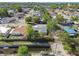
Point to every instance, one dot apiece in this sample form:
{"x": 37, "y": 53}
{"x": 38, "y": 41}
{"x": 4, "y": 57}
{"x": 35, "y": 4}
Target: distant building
{"x": 25, "y": 10}
{"x": 53, "y": 14}
{"x": 19, "y": 15}
{"x": 36, "y": 13}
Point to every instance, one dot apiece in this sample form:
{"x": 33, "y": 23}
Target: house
{"x": 40, "y": 28}
{"x": 68, "y": 23}
{"x": 19, "y": 32}
{"x": 7, "y": 20}
{"x": 11, "y": 12}
{"x": 5, "y": 31}
{"x": 36, "y": 13}
{"x": 53, "y": 14}
{"x": 70, "y": 31}
{"x": 19, "y": 15}
{"x": 25, "y": 10}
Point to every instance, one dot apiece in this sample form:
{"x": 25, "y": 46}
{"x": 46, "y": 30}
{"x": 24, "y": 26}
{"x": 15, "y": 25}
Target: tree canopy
{"x": 35, "y": 19}
{"x": 28, "y": 19}
{"x": 30, "y": 31}
{"x": 22, "y": 50}
{"x": 54, "y": 6}
{"x": 74, "y": 18}
{"x": 3, "y": 12}
{"x": 51, "y": 25}
{"x": 59, "y": 18}
{"x": 16, "y": 6}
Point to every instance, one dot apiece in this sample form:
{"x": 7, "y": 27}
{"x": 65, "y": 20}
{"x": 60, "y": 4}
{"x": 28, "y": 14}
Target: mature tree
{"x": 59, "y": 18}
{"x": 63, "y": 6}
{"x": 63, "y": 36}
{"x": 30, "y": 31}
{"x": 35, "y": 19}
{"x": 51, "y": 26}
{"x": 70, "y": 44}
{"x": 67, "y": 47}
{"x": 3, "y": 12}
{"x": 36, "y": 35}
{"x": 36, "y": 7}
{"x": 28, "y": 19}
{"x": 22, "y": 50}
{"x": 46, "y": 17}
{"x": 74, "y": 18}
{"x": 17, "y": 7}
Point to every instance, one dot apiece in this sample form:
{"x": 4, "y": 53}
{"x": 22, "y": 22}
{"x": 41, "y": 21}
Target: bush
{"x": 22, "y": 50}
{"x": 67, "y": 47}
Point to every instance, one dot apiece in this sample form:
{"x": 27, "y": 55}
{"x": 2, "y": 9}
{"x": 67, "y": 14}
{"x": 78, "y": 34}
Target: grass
{"x": 19, "y": 42}
{"x": 22, "y": 42}
{"x": 3, "y": 43}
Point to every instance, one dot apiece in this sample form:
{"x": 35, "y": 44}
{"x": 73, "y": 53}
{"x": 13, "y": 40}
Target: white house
{"x": 40, "y": 28}
{"x": 4, "y": 31}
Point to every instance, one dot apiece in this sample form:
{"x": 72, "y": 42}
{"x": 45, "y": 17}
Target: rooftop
{"x": 71, "y": 31}
{"x": 40, "y": 28}
{"x": 19, "y": 29}
{"x": 4, "y": 29}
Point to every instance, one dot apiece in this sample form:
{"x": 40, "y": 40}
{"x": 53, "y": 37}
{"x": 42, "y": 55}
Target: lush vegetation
{"x": 32, "y": 34}
{"x": 54, "y": 6}
{"x": 33, "y": 19}
{"x": 59, "y": 19}
{"x": 46, "y": 16}
{"x": 28, "y": 19}
{"x": 30, "y": 31}
{"x": 74, "y": 18}
{"x": 22, "y": 50}
{"x": 71, "y": 44}
{"x": 51, "y": 26}
{"x": 3, "y": 12}
{"x": 16, "y": 6}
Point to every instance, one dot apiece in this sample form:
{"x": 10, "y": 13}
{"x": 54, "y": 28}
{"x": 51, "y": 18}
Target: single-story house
{"x": 25, "y": 10}
{"x": 19, "y": 31}
{"x": 36, "y": 13}
{"x": 70, "y": 31}
{"x": 68, "y": 23}
{"x": 5, "y": 31}
{"x": 40, "y": 28}
{"x": 19, "y": 14}
{"x": 7, "y": 20}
